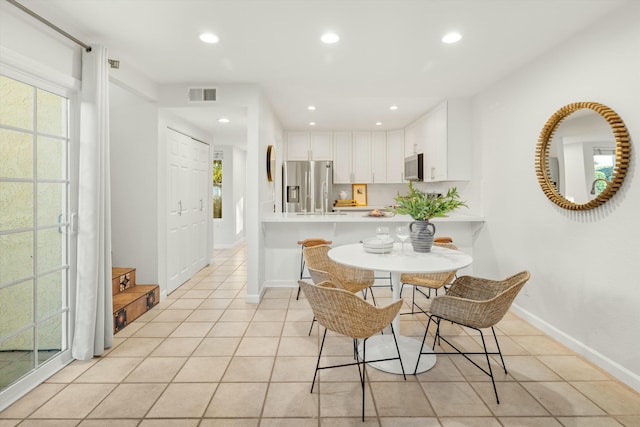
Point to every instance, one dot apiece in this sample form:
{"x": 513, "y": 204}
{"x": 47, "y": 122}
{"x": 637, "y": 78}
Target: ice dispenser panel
{"x": 293, "y": 193}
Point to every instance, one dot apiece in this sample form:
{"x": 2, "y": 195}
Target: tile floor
{"x": 203, "y": 357}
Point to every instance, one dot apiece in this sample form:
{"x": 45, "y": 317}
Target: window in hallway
{"x": 217, "y": 185}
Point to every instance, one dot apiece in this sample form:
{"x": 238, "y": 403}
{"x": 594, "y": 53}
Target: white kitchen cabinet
{"x": 446, "y": 133}
{"x": 342, "y": 158}
{"x": 362, "y": 157}
{"x": 411, "y": 142}
{"x": 309, "y": 145}
{"x": 321, "y": 146}
{"x": 395, "y": 156}
{"x": 297, "y": 146}
{"x": 379, "y": 157}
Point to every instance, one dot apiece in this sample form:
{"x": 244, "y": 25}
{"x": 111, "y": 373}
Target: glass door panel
{"x": 34, "y": 205}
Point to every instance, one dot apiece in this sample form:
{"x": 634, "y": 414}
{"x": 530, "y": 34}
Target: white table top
{"x": 438, "y": 260}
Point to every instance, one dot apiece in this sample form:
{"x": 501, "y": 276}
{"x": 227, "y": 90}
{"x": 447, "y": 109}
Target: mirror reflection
{"x": 581, "y": 156}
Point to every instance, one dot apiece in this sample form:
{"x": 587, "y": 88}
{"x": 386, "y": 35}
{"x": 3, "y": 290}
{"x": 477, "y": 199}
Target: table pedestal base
{"x": 383, "y": 346}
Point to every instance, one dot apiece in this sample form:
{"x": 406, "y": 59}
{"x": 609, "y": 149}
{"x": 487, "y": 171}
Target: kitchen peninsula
{"x": 282, "y": 231}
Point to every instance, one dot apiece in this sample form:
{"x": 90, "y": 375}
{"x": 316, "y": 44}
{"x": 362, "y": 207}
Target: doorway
{"x": 35, "y": 244}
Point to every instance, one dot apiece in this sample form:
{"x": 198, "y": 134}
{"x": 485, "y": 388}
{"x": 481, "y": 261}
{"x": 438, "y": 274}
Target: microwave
{"x": 413, "y": 167}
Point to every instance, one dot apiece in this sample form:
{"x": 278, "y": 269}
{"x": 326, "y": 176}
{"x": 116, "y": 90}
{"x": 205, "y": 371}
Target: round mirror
{"x": 582, "y": 155}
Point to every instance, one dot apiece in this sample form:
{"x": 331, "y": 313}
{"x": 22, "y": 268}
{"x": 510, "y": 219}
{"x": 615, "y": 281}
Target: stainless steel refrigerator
{"x": 307, "y": 186}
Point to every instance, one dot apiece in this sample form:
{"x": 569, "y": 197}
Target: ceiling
{"x": 390, "y": 51}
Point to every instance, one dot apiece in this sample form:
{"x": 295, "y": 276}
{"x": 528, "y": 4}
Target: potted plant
{"x": 422, "y": 207}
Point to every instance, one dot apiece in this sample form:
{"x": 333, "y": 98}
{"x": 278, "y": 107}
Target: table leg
{"x": 383, "y": 346}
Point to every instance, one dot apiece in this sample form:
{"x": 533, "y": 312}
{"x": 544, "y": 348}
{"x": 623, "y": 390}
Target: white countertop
{"x": 360, "y": 217}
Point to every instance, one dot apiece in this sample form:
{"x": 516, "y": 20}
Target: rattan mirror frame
{"x": 623, "y": 155}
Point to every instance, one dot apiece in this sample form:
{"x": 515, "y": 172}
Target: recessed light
{"x": 209, "y": 38}
{"x": 378, "y": 123}
{"x": 393, "y": 107}
{"x": 451, "y": 38}
{"x": 329, "y": 38}
{"x": 312, "y": 123}
{"x": 311, "y": 107}
{"x": 223, "y": 120}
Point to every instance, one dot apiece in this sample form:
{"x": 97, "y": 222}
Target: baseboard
{"x": 256, "y": 298}
{"x": 620, "y": 372}
{"x": 238, "y": 242}
{"x": 280, "y": 284}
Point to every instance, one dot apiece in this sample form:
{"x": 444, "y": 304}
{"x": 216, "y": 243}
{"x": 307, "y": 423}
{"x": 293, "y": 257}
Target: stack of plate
{"x": 378, "y": 246}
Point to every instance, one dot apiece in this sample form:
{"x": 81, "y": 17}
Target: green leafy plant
{"x": 422, "y": 206}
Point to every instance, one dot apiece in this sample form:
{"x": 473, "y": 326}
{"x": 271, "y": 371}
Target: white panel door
{"x": 177, "y": 209}
{"x": 188, "y": 188}
{"x": 200, "y": 203}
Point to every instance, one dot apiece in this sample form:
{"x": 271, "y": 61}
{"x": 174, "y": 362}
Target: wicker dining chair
{"x": 352, "y": 279}
{"x": 321, "y": 268}
{"x": 344, "y": 313}
{"x": 306, "y": 243}
{"x": 475, "y": 303}
{"x": 430, "y": 281}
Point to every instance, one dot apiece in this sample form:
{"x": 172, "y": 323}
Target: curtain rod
{"x": 49, "y": 24}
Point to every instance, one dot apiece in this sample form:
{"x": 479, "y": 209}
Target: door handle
{"x": 180, "y": 207}
{"x": 201, "y": 205}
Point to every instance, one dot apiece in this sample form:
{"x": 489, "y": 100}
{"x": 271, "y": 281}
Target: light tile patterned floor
{"x": 204, "y": 357}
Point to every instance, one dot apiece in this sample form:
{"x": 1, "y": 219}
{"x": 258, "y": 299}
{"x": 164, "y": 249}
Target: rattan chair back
{"x": 350, "y": 278}
{"x": 478, "y": 303}
{"x": 343, "y": 312}
{"x": 431, "y": 280}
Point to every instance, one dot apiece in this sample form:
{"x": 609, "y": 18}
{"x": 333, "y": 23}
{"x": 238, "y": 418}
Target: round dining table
{"x": 397, "y": 262}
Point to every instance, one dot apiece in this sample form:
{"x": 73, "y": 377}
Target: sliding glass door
{"x": 34, "y": 228}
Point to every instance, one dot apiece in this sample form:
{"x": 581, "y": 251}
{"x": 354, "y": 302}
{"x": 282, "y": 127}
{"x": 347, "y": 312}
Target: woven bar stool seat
{"x": 307, "y": 243}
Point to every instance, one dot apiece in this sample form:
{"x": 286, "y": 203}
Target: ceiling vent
{"x": 202, "y": 94}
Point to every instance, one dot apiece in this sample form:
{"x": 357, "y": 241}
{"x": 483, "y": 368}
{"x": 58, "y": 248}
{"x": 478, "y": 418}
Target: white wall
{"x": 38, "y": 46}
{"x": 134, "y": 187}
{"x": 583, "y": 287}
{"x": 230, "y": 230}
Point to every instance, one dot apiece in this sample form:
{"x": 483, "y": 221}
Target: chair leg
{"x": 301, "y": 272}
{"x": 486, "y": 354}
{"x": 311, "y": 327}
{"x": 395, "y": 340}
{"x": 499, "y": 351}
{"x": 363, "y": 372}
{"x": 424, "y": 338}
{"x": 315, "y": 374}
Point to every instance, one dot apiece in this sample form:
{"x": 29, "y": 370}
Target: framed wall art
{"x": 359, "y": 194}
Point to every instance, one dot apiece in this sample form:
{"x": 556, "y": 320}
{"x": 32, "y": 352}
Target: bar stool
{"x": 305, "y": 244}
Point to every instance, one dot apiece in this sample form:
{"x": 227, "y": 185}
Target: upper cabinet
{"x": 309, "y": 145}
{"x": 411, "y": 138}
{"x": 361, "y": 157}
{"x": 343, "y": 158}
{"x": 445, "y": 133}
{"x": 321, "y": 146}
{"x": 379, "y": 157}
{"x": 352, "y": 157}
{"x": 395, "y": 156}
{"x": 358, "y": 157}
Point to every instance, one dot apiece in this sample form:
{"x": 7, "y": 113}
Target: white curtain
{"x": 94, "y": 314}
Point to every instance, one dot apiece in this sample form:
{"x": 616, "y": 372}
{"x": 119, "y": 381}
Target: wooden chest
{"x": 132, "y": 303}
